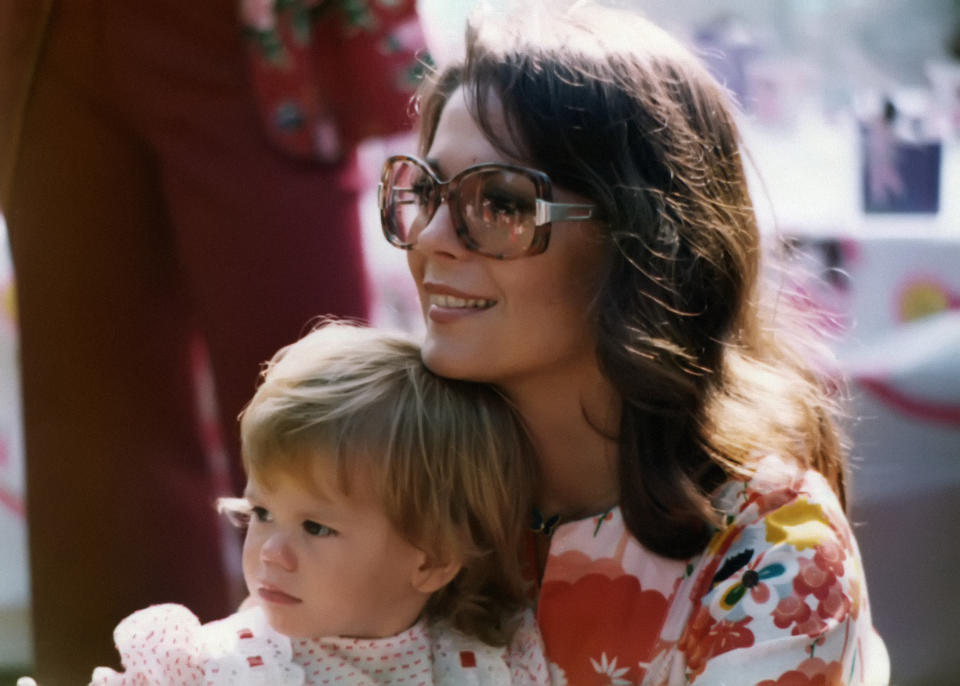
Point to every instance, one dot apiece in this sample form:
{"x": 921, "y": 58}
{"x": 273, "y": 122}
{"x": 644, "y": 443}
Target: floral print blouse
{"x": 778, "y": 598}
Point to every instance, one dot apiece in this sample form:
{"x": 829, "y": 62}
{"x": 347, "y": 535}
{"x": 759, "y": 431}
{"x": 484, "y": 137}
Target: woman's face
{"x": 507, "y": 321}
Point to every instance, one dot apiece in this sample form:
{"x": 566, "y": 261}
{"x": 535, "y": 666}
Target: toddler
{"x": 384, "y": 514}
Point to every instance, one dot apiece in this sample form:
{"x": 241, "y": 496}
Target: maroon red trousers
{"x": 147, "y": 209}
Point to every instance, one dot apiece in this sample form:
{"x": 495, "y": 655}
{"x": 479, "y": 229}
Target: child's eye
{"x": 261, "y": 514}
{"x": 317, "y": 529}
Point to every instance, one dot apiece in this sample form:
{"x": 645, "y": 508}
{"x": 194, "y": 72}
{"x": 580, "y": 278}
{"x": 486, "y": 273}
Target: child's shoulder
{"x": 244, "y": 649}
{"x": 462, "y": 659}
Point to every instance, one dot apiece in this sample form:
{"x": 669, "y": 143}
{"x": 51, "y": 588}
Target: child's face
{"x": 331, "y": 564}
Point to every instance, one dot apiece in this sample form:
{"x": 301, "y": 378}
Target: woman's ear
{"x": 432, "y": 575}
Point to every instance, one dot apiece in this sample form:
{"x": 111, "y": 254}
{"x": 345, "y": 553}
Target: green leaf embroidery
{"x": 301, "y": 24}
{"x": 269, "y": 44}
{"x": 358, "y": 14}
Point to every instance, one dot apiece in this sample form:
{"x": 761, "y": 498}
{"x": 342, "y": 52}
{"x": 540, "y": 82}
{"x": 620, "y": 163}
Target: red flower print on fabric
{"x": 793, "y": 610}
{"x": 811, "y": 672}
{"x": 705, "y": 638}
{"x": 599, "y": 620}
{"x": 772, "y": 501}
{"x": 818, "y": 578}
{"x": 812, "y": 578}
{"x": 835, "y": 605}
{"x": 829, "y": 557}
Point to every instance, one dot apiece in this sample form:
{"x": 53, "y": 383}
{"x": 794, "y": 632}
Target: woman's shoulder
{"x": 775, "y": 482}
{"x": 784, "y": 530}
{"x": 780, "y": 582}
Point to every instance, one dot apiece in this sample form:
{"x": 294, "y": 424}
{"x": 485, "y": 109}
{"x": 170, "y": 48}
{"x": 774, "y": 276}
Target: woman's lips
{"x": 443, "y": 315}
{"x": 446, "y": 306}
{"x": 273, "y": 595}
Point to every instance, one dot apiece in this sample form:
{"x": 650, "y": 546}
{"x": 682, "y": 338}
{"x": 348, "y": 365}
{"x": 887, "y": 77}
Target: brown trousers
{"x": 146, "y": 209}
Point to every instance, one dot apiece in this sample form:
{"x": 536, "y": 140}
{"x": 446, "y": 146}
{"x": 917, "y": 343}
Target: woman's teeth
{"x": 452, "y": 301}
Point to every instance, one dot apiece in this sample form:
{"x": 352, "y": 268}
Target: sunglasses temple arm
{"x": 560, "y": 211}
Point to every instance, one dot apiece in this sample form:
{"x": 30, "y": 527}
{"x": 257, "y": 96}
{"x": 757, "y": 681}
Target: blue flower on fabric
{"x": 751, "y": 583}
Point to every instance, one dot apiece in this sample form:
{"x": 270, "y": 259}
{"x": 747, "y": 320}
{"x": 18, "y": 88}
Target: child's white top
{"x": 165, "y": 645}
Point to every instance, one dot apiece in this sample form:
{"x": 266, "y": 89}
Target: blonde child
{"x": 385, "y": 510}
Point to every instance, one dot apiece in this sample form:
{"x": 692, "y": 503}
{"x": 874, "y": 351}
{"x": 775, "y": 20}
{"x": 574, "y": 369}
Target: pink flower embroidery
{"x": 258, "y": 14}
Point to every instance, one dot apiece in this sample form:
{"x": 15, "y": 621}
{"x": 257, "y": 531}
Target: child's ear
{"x": 432, "y": 575}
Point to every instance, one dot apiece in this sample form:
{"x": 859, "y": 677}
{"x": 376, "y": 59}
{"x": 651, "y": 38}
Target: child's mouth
{"x": 274, "y": 595}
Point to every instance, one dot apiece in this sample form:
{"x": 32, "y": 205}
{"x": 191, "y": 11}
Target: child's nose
{"x": 277, "y": 550}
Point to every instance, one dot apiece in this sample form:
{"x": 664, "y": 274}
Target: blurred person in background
{"x": 171, "y": 172}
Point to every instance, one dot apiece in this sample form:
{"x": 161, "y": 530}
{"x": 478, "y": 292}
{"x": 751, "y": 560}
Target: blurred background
{"x": 851, "y": 121}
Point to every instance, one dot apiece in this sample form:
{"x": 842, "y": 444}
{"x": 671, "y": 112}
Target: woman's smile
{"x": 444, "y": 304}
{"x": 453, "y": 301}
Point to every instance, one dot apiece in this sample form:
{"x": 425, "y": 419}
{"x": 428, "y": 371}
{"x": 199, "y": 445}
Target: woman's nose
{"x": 439, "y": 236}
{"x": 277, "y": 550}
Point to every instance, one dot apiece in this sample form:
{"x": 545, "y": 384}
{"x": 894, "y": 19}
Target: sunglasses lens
{"x": 498, "y": 210}
{"x": 409, "y": 203}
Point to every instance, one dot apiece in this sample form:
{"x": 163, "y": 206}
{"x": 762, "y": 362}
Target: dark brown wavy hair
{"x": 711, "y": 376}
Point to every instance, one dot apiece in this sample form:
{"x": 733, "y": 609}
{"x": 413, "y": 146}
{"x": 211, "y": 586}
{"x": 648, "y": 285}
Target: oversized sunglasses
{"x": 498, "y": 210}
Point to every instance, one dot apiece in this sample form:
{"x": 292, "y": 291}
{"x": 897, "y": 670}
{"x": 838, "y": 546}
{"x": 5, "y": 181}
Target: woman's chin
{"x": 442, "y": 365}
{"x": 454, "y": 362}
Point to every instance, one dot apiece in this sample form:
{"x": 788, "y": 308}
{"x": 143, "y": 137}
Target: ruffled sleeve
{"x": 159, "y": 646}
{"x": 779, "y": 597}
{"x": 165, "y": 645}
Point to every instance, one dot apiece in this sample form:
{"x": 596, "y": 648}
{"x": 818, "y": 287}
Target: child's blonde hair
{"x": 449, "y": 459}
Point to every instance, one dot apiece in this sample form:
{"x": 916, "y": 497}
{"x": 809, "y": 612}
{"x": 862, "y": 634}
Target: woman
{"x": 580, "y": 232}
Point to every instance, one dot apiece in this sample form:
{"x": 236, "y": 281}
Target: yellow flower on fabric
{"x": 802, "y": 524}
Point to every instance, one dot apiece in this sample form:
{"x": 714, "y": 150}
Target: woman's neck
{"x": 573, "y": 421}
